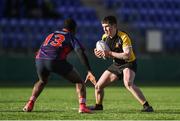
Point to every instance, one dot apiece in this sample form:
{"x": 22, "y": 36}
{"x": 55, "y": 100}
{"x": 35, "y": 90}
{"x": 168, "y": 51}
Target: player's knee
{"x": 98, "y": 89}
{"x": 43, "y": 82}
{"x": 80, "y": 87}
{"x": 128, "y": 85}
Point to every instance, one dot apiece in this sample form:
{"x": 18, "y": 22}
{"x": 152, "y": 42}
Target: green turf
{"x": 58, "y": 103}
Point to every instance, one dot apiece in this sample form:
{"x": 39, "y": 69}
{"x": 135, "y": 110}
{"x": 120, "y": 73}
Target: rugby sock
{"x": 146, "y": 104}
{"x": 33, "y": 98}
{"x": 82, "y": 101}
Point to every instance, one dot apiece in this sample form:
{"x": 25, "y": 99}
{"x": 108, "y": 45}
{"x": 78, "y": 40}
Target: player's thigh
{"x": 67, "y": 71}
{"x": 73, "y": 76}
{"x": 42, "y": 71}
{"x": 60, "y": 67}
{"x": 106, "y": 78}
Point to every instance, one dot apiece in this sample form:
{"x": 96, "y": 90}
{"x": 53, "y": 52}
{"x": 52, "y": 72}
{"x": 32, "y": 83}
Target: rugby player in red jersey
{"x": 51, "y": 57}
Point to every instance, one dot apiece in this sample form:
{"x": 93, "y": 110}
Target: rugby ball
{"x": 101, "y": 45}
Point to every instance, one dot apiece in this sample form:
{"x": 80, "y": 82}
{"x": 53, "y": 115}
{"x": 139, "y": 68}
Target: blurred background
{"x": 153, "y": 26}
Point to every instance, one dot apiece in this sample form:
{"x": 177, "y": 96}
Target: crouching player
{"x": 123, "y": 65}
{"x": 51, "y": 57}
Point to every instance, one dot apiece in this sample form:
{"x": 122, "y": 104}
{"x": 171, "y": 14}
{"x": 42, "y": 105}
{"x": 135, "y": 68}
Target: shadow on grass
{"x": 134, "y": 111}
{"x": 36, "y": 111}
{"x": 168, "y": 111}
{"x": 120, "y": 111}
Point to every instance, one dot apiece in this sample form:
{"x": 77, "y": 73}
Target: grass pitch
{"x": 60, "y": 103}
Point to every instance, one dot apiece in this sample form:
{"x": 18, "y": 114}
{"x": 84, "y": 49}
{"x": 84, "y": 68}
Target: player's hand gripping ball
{"x": 101, "y": 45}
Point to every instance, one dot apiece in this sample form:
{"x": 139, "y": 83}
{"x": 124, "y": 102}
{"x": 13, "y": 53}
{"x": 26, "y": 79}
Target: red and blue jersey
{"x": 58, "y": 45}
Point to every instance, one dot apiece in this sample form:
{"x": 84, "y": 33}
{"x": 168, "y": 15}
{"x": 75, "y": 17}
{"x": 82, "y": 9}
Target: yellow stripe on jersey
{"x": 127, "y": 43}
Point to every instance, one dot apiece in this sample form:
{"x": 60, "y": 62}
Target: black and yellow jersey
{"x": 117, "y": 43}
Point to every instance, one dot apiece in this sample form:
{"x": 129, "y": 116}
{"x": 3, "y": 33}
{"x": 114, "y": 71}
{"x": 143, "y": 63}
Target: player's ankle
{"x": 32, "y": 98}
{"x": 82, "y": 100}
{"x": 146, "y": 104}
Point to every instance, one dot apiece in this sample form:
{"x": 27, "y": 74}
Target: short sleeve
{"x": 126, "y": 40}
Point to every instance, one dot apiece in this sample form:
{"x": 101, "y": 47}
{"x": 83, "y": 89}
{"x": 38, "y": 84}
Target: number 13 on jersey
{"x": 56, "y": 42}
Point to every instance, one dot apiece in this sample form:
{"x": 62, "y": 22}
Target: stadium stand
{"x": 162, "y": 15}
{"x": 27, "y": 27}
{"x": 27, "y": 31}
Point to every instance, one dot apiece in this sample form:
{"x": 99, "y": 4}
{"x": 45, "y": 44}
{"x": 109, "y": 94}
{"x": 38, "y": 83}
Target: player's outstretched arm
{"x": 84, "y": 60}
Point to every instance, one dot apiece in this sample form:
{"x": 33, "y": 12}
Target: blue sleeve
{"x": 79, "y": 49}
{"x": 77, "y": 44}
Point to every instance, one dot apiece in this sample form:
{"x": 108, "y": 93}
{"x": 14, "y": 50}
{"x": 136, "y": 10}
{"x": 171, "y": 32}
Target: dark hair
{"x": 70, "y": 24}
{"x": 110, "y": 20}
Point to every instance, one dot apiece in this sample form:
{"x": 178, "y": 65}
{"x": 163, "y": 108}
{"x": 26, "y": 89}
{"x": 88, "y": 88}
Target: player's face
{"x": 110, "y": 30}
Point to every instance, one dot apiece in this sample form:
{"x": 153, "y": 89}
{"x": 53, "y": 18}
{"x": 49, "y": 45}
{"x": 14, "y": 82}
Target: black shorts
{"x": 44, "y": 67}
{"x": 117, "y": 69}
